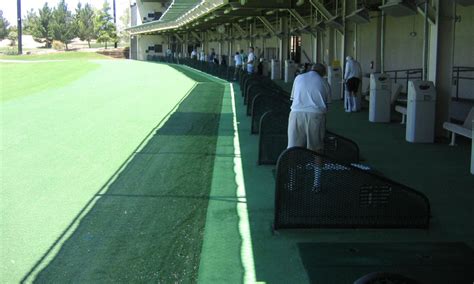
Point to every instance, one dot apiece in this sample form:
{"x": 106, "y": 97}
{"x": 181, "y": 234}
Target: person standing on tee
{"x": 307, "y": 121}
{"x": 352, "y": 78}
{"x": 250, "y": 61}
{"x": 238, "y": 64}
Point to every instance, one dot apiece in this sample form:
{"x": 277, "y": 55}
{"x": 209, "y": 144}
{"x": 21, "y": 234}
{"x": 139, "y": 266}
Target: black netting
{"x": 314, "y": 191}
{"x": 262, "y": 103}
{"x": 273, "y": 136}
{"x": 340, "y": 148}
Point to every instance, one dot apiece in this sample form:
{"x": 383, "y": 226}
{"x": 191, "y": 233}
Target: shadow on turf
{"x": 157, "y": 237}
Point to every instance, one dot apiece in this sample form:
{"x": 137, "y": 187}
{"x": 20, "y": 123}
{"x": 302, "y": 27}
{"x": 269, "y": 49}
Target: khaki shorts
{"x": 307, "y": 129}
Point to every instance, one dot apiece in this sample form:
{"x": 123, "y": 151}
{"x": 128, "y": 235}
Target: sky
{"x": 9, "y": 6}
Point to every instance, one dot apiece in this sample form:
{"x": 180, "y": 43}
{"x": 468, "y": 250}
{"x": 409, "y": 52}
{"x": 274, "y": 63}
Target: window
{"x": 158, "y": 48}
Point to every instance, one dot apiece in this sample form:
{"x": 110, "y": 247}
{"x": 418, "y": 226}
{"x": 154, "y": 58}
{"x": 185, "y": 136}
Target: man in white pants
{"x": 250, "y": 61}
{"x": 352, "y": 78}
{"x": 307, "y": 121}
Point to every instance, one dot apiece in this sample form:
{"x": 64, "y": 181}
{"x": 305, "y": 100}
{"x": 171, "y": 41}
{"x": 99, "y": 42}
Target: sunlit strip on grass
{"x": 246, "y": 250}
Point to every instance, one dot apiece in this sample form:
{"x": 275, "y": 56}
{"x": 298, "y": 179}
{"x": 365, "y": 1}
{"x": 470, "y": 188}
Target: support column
{"x": 330, "y": 54}
{"x": 379, "y": 46}
{"x": 444, "y": 61}
{"x": 231, "y": 47}
{"x": 219, "y": 50}
{"x": 382, "y": 41}
{"x": 283, "y": 44}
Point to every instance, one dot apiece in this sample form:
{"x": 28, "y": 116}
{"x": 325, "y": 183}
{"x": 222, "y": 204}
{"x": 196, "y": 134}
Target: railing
{"x": 405, "y": 74}
{"x": 457, "y": 76}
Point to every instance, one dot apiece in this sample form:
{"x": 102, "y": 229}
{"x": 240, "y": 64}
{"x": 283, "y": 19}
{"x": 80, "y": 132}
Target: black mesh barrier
{"x": 340, "y": 148}
{"x": 273, "y": 137}
{"x": 277, "y": 92}
{"x": 254, "y": 90}
{"x": 256, "y": 86}
{"x": 263, "y": 102}
{"x": 315, "y": 191}
{"x": 230, "y": 73}
{"x": 247, "y": 79}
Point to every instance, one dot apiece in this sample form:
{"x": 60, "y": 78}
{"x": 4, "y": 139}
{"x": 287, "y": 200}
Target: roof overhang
{"x": 194, "y": 11}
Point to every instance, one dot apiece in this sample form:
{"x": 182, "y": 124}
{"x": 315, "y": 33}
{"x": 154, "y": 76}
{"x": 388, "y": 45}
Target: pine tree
{"x": 4, "y": 24}
{"x": 41, "y": 26}
{"x": 85, "y": 23}
{"x": 28, "y": 22}
{"x": 63, "y": 26}
{"x": 104, "y": 26}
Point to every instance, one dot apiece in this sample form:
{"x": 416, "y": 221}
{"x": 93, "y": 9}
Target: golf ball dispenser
{"x": 335, "y": 81}
{"x": 380, "y": 98}
{"x": 275, "y": 69}
{"x": 290, "y": 70}
{"x": 421, "y": 111}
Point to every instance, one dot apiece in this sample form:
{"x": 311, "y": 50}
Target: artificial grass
{"x": 65, "y": 55}
{"x": 148, "y": 225}
{"x": 439, "y": 171}
{"x": 60, "y": 146}
{"x": 19, "y": 80}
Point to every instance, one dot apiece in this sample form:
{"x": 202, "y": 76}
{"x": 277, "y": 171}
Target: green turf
{"x": 18, "y": 80}
{"x": 60, "y": 146}
{"x": 443, "y": 177}
{"x": 65, "y": 55}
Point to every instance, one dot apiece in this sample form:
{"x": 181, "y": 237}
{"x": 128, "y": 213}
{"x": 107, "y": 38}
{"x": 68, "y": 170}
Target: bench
{"x": 403, "y": 111}
{"x": 465, "y": 129}
{"x": 315, "y": 191}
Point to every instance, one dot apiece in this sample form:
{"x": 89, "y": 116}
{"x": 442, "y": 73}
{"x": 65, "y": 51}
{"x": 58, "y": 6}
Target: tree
{"x": 105, "y": 28}
{"x": 41, "y": 26}
{"x": 13, "y": 36}
{"x": 85, "y": 23}
{"x": 125, "y": 23}
{"x": 4, "y": 24}
{"x": 63, "y": 26}
{"x": 29, "y": 21}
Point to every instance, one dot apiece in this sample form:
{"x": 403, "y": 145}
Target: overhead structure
{"x": 465, "y": 2}
{"x": 178, "y": 14}
{"x": 359, "y": 16}
{"x": 399, "y": 8}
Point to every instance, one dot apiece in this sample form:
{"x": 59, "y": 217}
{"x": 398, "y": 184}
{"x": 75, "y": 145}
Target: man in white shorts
{"x": 307, "y": 121}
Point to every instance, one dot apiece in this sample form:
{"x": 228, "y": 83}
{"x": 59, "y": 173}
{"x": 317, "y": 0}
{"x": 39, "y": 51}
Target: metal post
{"x": 426, "y": 44}
{"x": 20, "y": 32}
{"x": 382, "y": 42}
{"x": 115, "y": 22}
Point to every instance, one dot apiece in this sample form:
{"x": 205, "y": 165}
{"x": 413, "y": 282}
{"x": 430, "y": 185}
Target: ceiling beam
{"x": 196, "y": 36}
{"x": 267, "y": 25}
{"x": 321, "y": 9}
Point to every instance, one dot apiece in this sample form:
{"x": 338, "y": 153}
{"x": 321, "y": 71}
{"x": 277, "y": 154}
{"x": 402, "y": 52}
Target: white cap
{"x": 349, "y": 57}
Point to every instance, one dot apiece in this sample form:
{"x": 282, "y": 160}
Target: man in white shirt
{"x": 352, "y": 78}
{"x": 250, "y": 61}
{"x": 307, "y": 121}
{"x": 194, "y": 54}
{"x": 238, "y": 64}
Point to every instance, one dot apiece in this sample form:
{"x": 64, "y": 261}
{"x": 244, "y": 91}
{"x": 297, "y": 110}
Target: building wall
{"x": 403, "y": 51}
{"x": 144, "y": 41}
{"x": 464, "y": 49}
{"x": 147, "y": 7}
